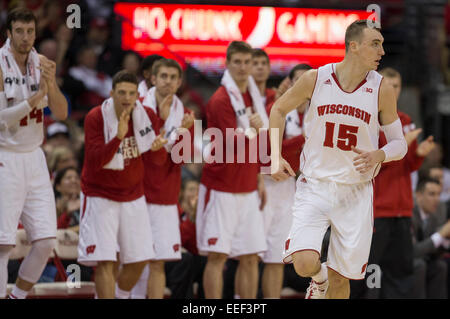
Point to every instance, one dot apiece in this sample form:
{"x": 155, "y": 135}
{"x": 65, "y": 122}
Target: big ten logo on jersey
{"x": 129, "y": 149}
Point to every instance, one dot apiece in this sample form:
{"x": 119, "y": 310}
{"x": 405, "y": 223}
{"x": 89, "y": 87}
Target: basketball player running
{"x": 338, "y": 162}
{"x": 26, "y": 191}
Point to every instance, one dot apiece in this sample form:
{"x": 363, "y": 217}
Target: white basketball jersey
{"x": 27, "y": 134}
{"x": 337, "y": 120}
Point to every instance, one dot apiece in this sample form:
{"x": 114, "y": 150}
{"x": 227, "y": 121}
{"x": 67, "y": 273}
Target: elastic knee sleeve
{"x": 4, "y": 257}
{"x": 33, "y": 264}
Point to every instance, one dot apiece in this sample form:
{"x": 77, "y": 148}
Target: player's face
{"x": 429, "y": 198}
{"x": 22, "y": 36}
{"x": 167, "y": 81}
{"x": 370, "y": 50}
{"x": 124, "y": 95}
{"x": 260, "y": 68}
{"x": 396, "y": 83}
{"x": 240, "y": 66}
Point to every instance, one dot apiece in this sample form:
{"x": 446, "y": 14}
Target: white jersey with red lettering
{"x": 27, "y": 134}
{"x": 337, "y": 120}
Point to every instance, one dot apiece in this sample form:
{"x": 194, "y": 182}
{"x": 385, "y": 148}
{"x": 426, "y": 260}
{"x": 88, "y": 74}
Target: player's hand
{"x": 188, "y": 120}
{"x": 122, "y": 128}
{"x": 365, "y": 161}
{"x": 425, "y": 147}
{"x": 255, "y": 121}
{"x": 412, "y": 135}
{"x": 159, "y": 141}
{"x": 281, "y": 170}
{"x": 262, "y": 192}
{"x": 48, "y": 69}
{"x": 164, "y": 109}
{"x": 445, "y": 230}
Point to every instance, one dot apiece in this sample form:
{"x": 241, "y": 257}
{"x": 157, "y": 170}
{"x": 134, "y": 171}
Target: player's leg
{"x": 351, "y": 236}
{"x": 5, "y": 250}
{"x": 339, "y": 286}
{"x": 12, "y": 198}
{"x": 156, "y": 280}
{"x": 272, "y": 280}
{"x": 135, "y": 242}
{"x": 165, "y": 227}
{"x": 39, "y": 221}
{"x": 104, "y": 280}
{"x": 247, "y": 286}
{"x": 213, "y": 275}
{"x": 97, "y": 244}
{"x": 249, "y": 240}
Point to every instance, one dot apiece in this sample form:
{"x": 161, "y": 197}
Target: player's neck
{"x": 21, "y": 58}
{"x": 242, "y": 86}
{"x": 261, "y": 87}
{"x": 350, "y": 74}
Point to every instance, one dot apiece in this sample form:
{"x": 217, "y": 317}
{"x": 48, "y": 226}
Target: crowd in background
{"x": 86, "y": 60}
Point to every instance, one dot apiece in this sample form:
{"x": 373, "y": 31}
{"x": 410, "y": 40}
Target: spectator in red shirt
{"x": 392, "y": 247}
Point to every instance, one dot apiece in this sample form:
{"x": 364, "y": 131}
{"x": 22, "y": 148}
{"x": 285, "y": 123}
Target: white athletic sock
{"x": 18, "y": 293}
{"x": 322, "y": 275}
{"x": 121, "y": 294}
{"x": 4, "y": 256}
{"x": 236, "y": 296}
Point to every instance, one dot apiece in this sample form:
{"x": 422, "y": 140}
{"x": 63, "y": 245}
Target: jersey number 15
{"x": 346, "y": 136}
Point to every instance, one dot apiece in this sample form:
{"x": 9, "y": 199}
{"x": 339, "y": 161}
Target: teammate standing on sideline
{"x": 392, "y": 246}
{"x": 28, "y": 84}
{"x": 338, "y": 162}
{"x": 114, "y": 215}
{"x": 228, "y": 220}
{"x": 162, "y": 184}
{"x": 280, "y": 195}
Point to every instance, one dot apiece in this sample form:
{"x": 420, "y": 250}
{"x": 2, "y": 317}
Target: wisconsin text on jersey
{"x": 344, "y": 109}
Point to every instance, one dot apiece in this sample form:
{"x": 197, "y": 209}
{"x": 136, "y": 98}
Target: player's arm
{"x": 297, "y": 95}
{"x": 396, "y": 146}
{"x": 56, "y": 100}
{"x": 11, "y": 115}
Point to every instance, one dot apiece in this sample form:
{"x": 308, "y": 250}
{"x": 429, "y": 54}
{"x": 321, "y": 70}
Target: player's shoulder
{"x": 219, "y": 98}
{"x": 94, "y": 114}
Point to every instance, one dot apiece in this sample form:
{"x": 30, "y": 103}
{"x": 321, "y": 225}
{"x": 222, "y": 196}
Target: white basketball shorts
{"x": 26, "y": 195}
{"x": 165, "y": 225}
{"x": 349, "y": 211}
{"x": 229, "y": 223}
{"x": 107, "y": 226}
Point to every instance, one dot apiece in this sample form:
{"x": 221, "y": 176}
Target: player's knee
{"x": 45, "y": 246}
{"x": 306, "y": 264}
{"x": 248, "y": 261}
{"x": 217, "y": 259}
{"x": 337, "y": 280}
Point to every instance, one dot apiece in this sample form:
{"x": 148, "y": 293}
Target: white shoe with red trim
{"x": 316, "y": 290}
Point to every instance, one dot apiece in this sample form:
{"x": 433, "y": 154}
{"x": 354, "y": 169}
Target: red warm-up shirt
{"x": 291, "y": 148}
{"x": 117, "y": 185}
{"x": 162, "y": 183}
{"x": 392, "y": 187}
{"x": 229, "y": 177}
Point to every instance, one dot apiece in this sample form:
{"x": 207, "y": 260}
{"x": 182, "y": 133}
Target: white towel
{"x": 142, "y": 89}
{"x": 12, "y": 71}
{"x": 237, "y": 101}
{"x": 142, "y": 126}
{"x": 293, "y": 127}
{"x": 173, "y": 121}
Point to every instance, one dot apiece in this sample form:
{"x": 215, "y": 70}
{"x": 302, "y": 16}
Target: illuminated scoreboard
{"x": 200, "y": 34}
